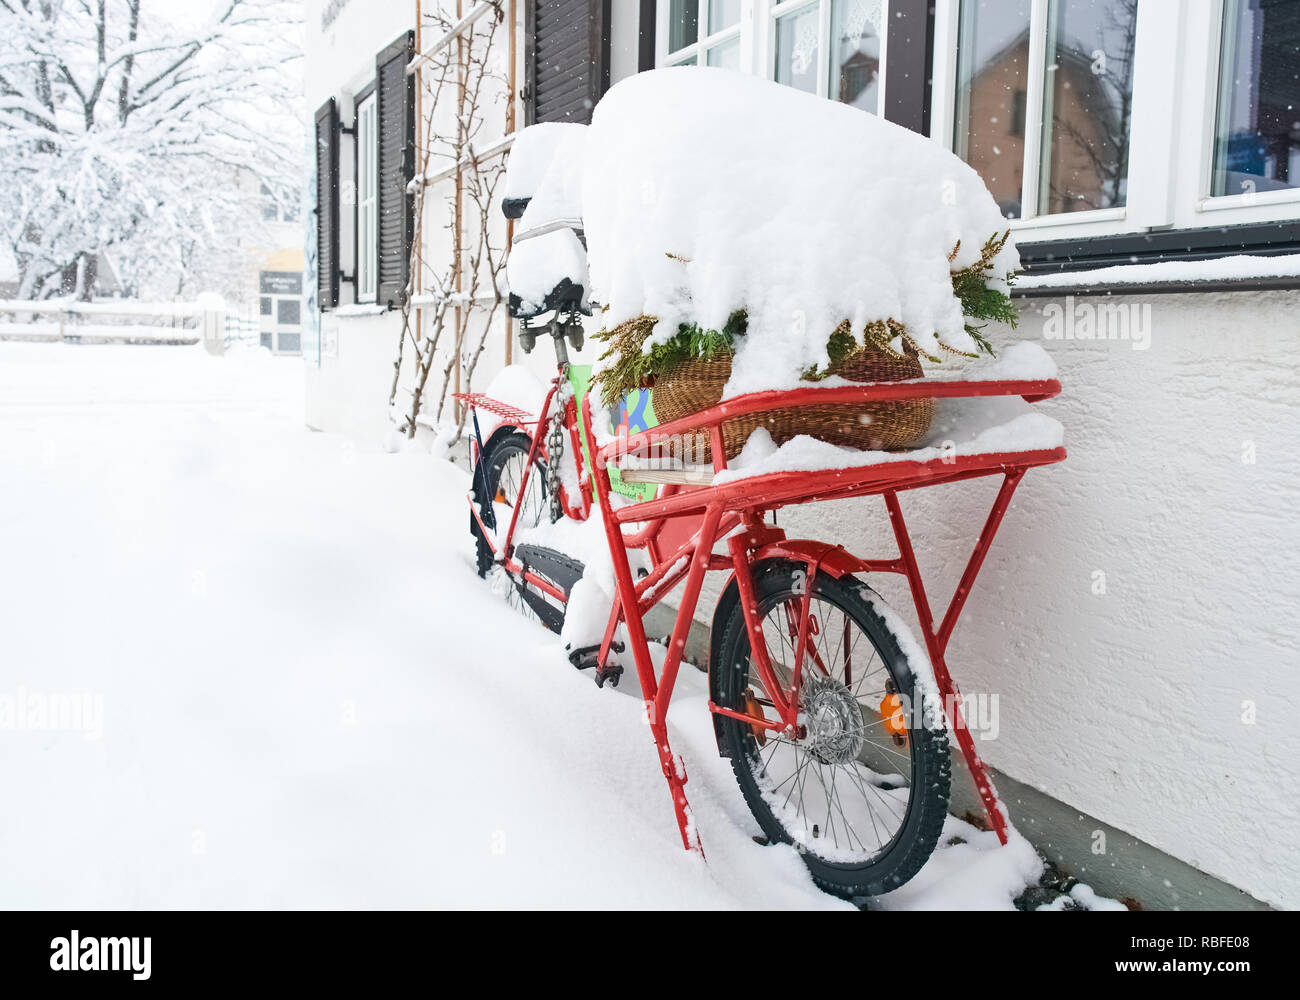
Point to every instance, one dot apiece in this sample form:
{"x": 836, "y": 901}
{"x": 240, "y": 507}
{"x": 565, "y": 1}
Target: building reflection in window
{"x": 855, "y": 53}
{"x": 1087, "y": 105}
{"x": 1086, "y": 102}
{"x": 992, "y": 78}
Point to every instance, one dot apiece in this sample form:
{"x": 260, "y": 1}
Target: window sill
{"x": 1241, "y": 273}
{"x": 360, "y": 309}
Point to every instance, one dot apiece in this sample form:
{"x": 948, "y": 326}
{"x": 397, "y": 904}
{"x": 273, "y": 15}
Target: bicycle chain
{"x": 555, "y": 452}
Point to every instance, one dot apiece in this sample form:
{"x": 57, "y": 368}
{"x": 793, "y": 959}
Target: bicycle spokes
{"x": 838, "y": 783}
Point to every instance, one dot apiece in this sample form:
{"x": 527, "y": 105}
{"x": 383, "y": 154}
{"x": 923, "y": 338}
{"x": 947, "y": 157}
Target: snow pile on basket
{"x": 706, "y": 194}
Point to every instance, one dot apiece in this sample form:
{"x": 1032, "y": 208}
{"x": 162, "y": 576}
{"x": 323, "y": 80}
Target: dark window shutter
{"x": 395, "y": 113}
{"x": 327, "y": 204}
{"x": 566, "y": 59}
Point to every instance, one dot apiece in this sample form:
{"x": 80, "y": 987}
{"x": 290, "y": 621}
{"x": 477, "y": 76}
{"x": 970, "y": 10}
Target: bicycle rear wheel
{"x": 862, "y": 792}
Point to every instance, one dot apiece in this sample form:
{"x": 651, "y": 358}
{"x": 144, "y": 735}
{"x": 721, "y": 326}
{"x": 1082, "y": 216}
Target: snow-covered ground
{"x": 290, "y": 688}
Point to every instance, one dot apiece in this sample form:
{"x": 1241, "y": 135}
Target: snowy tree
{"x": 144, "y": 128}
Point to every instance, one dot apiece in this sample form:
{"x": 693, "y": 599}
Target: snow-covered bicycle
{"x": 835, "y": 719}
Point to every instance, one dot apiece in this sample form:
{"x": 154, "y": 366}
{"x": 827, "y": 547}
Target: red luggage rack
{"x": 744, "y": 503}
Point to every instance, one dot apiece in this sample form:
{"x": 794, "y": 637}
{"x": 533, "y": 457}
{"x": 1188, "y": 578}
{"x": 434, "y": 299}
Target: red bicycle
{"x": 835, "y": 720}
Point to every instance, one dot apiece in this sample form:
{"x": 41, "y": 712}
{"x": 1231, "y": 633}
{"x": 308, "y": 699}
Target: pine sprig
{"x": 632, "y": 364}
{"x": 978, "y": 300}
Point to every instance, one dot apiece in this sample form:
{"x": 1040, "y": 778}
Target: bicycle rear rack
{"x": 744, "y": 502}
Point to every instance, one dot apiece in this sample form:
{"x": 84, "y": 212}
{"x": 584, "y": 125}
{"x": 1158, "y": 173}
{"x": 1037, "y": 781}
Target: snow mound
{"x": 546, "y": 166}
{"x": 800, "y": 210}
{"x": 531, "y": 155}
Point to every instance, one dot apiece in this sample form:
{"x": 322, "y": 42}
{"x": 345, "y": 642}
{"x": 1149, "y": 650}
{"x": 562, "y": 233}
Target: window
{"x": 1257, "y": 131}
{"x": 270, "y": 207}
{"x": 992, "y": 76}
{"x": 704, "y": 32}
{"x": 265, "y": 305}
{"x": 832, "y": 48}
{"x": 288, "y": 312}
{"x": 1044, "y": 100}
{"x": 855, "y": 53}
{"x": 797, "y": 48}
{"x": 278, "y": 207}
{"x": 1090, "y": 119}
{"x": 1087, "y": 105}
{"x": 366, "y": 202}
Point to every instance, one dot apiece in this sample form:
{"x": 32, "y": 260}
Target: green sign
{"x": 633, "y": 415}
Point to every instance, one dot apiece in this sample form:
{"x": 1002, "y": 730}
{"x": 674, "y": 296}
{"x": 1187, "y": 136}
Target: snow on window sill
{"x": 360, "y": 309}
{"x": 1218, "y": 272}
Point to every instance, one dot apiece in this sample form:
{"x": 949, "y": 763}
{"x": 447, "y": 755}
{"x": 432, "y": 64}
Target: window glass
{"x": 683, "y": 24}
{"x": 265, "y": 305}
{"x": 290, "y": 342}
{"x": 288, "y": 312}
{"x": 1087, "y": 105}
{"x": 1257, "y": 139}
{"x": 992, "y": 80}
{"x": 270, "y": 209}
{"x": 855, "y": 53}
{"x": 723, "y": 14}
{"x": 726, "y": 55}
{"x": 796, "y": 49}
{"x": 367, "y": 213}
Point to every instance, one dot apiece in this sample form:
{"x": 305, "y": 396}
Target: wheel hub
{"x": 834, "y": 720}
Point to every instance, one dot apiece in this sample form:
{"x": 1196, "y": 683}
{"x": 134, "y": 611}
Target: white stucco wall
{"x": 349, "y": 392}
{"x": 1127, "y": 704}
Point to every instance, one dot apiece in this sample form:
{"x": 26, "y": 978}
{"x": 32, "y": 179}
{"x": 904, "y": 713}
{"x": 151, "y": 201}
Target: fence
{"x": 119, "y": 321}
{"x": 240, "y": 329}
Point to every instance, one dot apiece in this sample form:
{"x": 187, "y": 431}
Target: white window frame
{"x": 742, "y": 29}
{"x": 757, "y": 33}
{"x": 1172, "y": 129}
{"x": 367, "y": 200}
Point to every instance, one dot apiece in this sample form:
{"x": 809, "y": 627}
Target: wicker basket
{"x": 697, "y": 384}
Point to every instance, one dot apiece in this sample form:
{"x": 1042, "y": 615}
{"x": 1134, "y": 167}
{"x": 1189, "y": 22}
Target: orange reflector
{"x": 892, "y": 710}
{"x": 752, "y": 707}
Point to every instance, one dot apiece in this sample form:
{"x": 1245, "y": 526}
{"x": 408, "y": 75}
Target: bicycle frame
{"x": 743, "y": 504}
{"x": 537, "y": 429}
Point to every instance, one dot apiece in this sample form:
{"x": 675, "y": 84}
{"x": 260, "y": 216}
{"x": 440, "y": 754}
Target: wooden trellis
{"x": 464, "y": 73}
